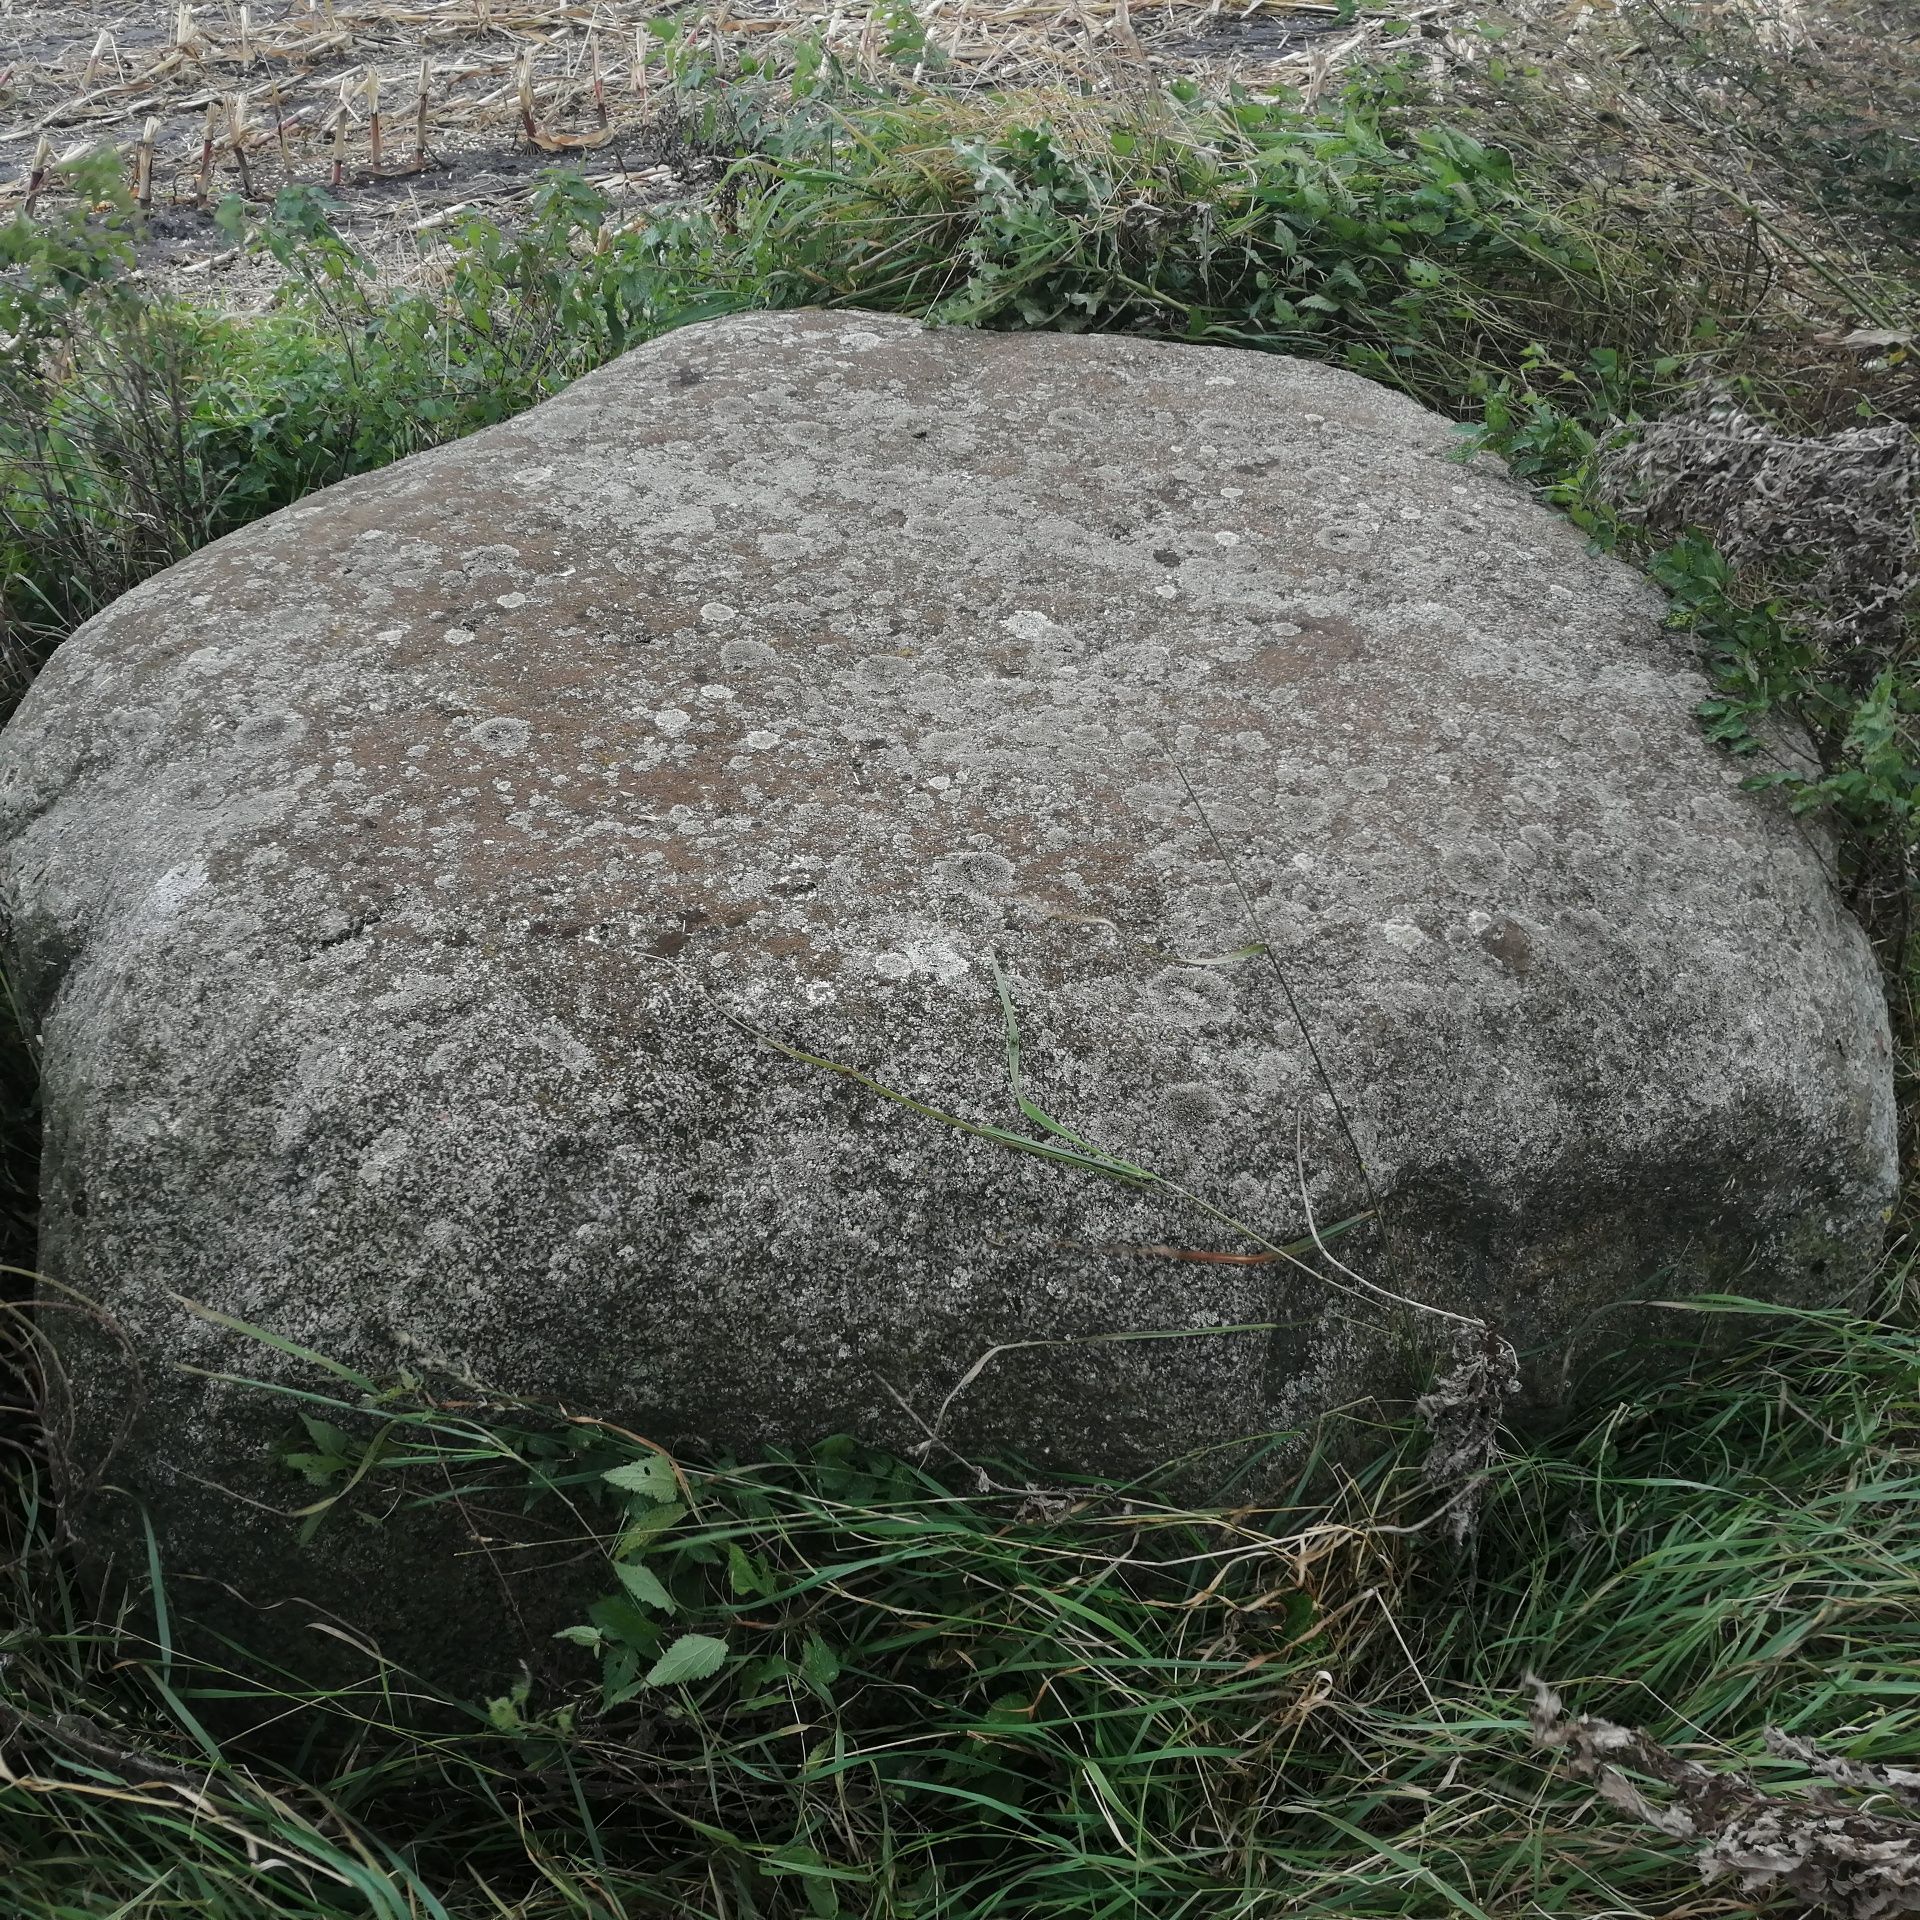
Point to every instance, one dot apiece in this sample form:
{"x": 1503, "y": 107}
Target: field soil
{"x": 410, "y": 114}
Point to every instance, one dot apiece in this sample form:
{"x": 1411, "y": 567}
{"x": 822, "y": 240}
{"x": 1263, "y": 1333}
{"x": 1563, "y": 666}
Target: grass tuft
{"x": 836, "y": 1684}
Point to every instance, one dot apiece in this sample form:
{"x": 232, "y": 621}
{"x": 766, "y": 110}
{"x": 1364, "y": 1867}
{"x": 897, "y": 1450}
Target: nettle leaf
{"x": 764, "y": 1682}
{"x": 589, "y": 1637}
{"x": 505, "y": 1712}
{"x": 746, "y": 1576}
{"x": 619, "y": 1678}
{"x": 694, "y": 1656}
{"x": 644, "y": 1525}
{"x": 319, "y": 1468}
{"x": 821, "y": 1666}
{"x": 619, "y": 1619}
{"x": 326, "y": 1437}
{"x": 644, "y": 1586}
{"x": 651, "y": 1476}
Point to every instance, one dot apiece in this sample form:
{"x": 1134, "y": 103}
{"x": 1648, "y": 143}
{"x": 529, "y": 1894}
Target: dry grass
{"x": 1770, "y": 147}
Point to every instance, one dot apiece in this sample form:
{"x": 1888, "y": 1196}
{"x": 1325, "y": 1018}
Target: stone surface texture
{"x": 398, "y": 887}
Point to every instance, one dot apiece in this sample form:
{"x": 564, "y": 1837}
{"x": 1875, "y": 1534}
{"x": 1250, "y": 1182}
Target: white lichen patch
{"x": 1030, "y": 624}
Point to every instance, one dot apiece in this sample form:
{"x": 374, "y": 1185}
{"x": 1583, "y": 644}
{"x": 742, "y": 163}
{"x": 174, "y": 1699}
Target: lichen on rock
{"x": 400, "y": 890}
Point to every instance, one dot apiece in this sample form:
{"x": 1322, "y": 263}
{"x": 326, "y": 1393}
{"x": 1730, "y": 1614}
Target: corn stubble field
{"x": 1665, "y": 260}
{"x": 411, "y": 114}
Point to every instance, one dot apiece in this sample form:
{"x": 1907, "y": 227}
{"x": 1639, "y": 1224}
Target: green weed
{"x": 833, "y": 1683}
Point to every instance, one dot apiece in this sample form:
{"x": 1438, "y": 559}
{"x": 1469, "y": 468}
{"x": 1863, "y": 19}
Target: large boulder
{"x": 436, "y": 904}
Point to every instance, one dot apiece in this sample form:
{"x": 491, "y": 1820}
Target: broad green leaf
{"x": 318, "y": 1467}
{"x": 744, "y": 1575}
{"x": 644, "y": 1526}
{"x": 694, "y": 1656}
{"x": 652, "y": 1476}
{"x": 619, "y": 1678}
{"x": 644, "y": 1586}
{"x": 327, "y": 1438}
{"x": 619, "y": 1619}
{"x": 821, "y": 1666}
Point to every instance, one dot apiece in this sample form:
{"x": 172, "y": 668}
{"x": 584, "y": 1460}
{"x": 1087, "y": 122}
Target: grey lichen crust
{"x": 398, "y": 887}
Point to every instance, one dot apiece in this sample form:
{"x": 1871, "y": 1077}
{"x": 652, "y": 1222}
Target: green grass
{"x": 927, "y": 1701}
{"x": 1096, "y": 1702}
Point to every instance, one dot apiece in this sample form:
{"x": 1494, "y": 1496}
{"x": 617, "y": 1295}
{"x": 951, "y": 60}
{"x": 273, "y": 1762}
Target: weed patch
{"x": 834, "y": 1683}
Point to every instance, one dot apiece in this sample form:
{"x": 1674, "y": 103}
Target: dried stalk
{"x": 237, "y": 136}
{"x": 373, "y": 115}
{"x": 37, "y": 171}
{"x": 203, "y": 179}
{"x": 143, "y": 165}
{"x": 1851, "y": 1863}
{"x": 420, "y": 110}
